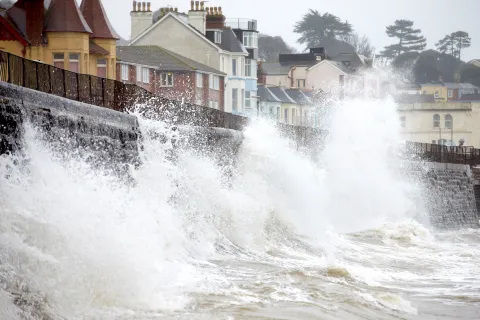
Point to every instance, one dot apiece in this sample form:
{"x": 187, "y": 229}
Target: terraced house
{"x": 200, "y": 35}
{"x": 58, "y": 32}
{"x": 171, "y": 75}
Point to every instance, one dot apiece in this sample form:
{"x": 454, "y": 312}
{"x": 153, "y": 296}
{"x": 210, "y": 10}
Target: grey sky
{"x": 434, "y": 18}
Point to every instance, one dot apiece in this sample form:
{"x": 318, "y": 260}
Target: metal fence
{"x": 446, "y": 154}
{"x": 109, "y": 93}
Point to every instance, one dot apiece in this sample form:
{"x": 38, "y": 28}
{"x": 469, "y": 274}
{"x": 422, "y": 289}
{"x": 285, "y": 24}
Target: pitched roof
{"x": 299, "y": 96}
{"x": 97, "y": 19}
{"x": 470, "y": 97}
{"x": 282, "y": 95}
{"x": 96, "y": 49}
{"x": 230, "y": 42}
{"x": 275, "y": 68}
{"x": 350, "y": 60}
{"x": 161, "y": 59}
{"x": 451, "y": 85}
{"x": 338, "y": 65}
{"x": 265, "y": 94}
{"x": 65, "y": 16}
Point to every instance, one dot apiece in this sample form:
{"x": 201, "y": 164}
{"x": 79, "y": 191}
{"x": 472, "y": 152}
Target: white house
{"x": 200, "y": 35}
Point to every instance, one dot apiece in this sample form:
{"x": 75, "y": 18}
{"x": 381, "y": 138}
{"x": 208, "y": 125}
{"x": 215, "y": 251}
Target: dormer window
{"x": 218, "y": 37}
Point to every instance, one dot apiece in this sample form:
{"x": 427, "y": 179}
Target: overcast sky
{"x": 434, "y": 18}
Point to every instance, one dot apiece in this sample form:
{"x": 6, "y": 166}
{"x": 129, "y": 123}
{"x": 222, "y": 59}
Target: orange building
{"x": 58, "y": 32}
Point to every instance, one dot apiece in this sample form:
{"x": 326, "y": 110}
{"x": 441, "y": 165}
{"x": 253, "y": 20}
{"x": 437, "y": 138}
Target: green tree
{"x": 409, "y": 39}
{"x": 314, "y": 28}
{"x": 270, "y": 47}
{"x": 454, "y": 43}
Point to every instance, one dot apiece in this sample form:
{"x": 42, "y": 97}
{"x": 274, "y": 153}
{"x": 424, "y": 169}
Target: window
{"x": 300, "y": 83}
{"x": 250, "y": 39}
{"x": 234, "y": 67}
{"x": 434, "y": 141}
{"x": 242, "y": 67}
{"x": 59, "y": 60}
{"x": 448, "y": 121}
{"x": 166, "y": 79}
{"x": 234, "y": 99}
{"x": 436, "y": 121}
{"x": 102, "y": 68}
{"x": 216, "y": 105}
{"x": 210, "y": 104}
{"x": 139, "y": 73}
{"x": 286, "y": 115}
{"x": 74, "y": 62}
{"x": 248, "y": 67}
{"x": 210, "y": 81}
{"x": 216, "y": 82}
{"x": 125, "y": 72}
{"x": 145, "y": 75}
{"x": 247, "y": 99}
{"x": 243, "y": 100}
{"x": 402, "y": 121}
{"x": 199, "y": 80}
{"x": 436, "y": 95}
{"x": 450, "y": 93}
{"x": 293, "y": 117}
{"x": 218, "y": 37}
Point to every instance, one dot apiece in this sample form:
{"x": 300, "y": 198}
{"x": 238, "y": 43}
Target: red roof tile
{"x": 97, "y": 19}
{"x": 96, "y": 49}
{"x": 65, "y": 16}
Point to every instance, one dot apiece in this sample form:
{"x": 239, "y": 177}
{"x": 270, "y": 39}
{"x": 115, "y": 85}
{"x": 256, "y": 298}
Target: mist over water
{"x": 271, "y": 234}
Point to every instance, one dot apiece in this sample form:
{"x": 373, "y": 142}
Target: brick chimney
{"x": 215, "y": 18}
{"x": 35, "y": 16}
{"x": 197, "y": 16}
{"x": 261, "y": 74}
{"x": 141, "y": 18}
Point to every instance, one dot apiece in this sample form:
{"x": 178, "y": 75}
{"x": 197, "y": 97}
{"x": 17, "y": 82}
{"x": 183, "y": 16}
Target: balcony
{"x": 242, "y": 24}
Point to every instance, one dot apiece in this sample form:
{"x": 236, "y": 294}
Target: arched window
{"x": 436, "y": 121}
{"x": 448, "y": 121}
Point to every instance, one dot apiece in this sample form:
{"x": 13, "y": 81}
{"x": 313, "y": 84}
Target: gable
{"x": 9, "y": 33}
{"x": 171, "y": 21}
{"x": 327, "y": 65}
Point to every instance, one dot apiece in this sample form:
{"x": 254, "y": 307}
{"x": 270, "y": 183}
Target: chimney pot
{"x": 220, "y": 10}
{"x": 192, "y": 4}
{"x": 148, "y": 6}
{"x": 134, "y": 5}
{"x": 215, "y": 10}
{"x": 139, "y": 6}
{"x": 202, "y": 3}
{"x": 143, "y": 6}
{"x": 161, "y": 12}
{"x": 176, "y": 9}
{"x": 197, "y": 4}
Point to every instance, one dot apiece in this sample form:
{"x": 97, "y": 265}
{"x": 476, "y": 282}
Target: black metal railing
{"x": 445, "y": 154}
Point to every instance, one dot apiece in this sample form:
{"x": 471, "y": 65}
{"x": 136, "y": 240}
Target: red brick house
{"x": 171, "y": 75}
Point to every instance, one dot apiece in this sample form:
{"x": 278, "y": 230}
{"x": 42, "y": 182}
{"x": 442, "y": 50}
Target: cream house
{"x": 441, "y": 123}
{"x": 201, "y": 36}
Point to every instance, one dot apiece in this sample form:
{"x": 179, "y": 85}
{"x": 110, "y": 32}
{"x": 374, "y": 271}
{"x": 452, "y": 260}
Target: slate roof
{"x": 230, "y": 42}
{"x": 265, "y": 94}
{"x": 282, "y": 95}
{"x": 356, "y": 62}
{"x": 275, "y": 68}
{"x": 470, "y": 97}
{"x": 161, "y": 59}
{"x": 298, "y": 96}
{"x": 451, "y": 85}
{"x": 95, "y": 15}
{"x": 65, "y": 16}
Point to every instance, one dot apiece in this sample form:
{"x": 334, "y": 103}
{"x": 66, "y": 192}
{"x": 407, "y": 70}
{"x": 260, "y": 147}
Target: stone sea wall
{"x": 449, "y": 198}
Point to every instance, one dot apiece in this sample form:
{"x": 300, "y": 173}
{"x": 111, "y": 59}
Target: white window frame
{"x": 217, "y": 37}
{"x": 100, "y": 64}
{"x": 125, "y": 72}
{"x": 450, "y": 93}
{"x": 138, "y": 73}
{"x": 199, "y": 80}
{"x": 234, "y": 66}
{"x": 210, "y": 81}
{"x": 145, "y": 75}
{"x": 235, "y": 99}
{"x": 248, "y": 67}
{"x": 74, "y": 60}
{"x": 250, "y": 39}
{"x": 216, "y": 105}
{"x": 248, "y": 97}
{"x": 166, "y": 79}
{"x": 216, "y": 83}
{"x": 58, "y": 59}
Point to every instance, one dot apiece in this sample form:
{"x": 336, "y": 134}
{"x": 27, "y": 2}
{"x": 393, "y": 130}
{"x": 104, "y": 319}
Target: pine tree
{"x": 409, "y": 39}
{"x": 454, "y": 43}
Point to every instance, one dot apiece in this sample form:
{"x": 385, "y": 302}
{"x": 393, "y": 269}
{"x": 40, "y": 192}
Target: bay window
{"x": 250, "y": 39}
{"x": 59, "y": 60}
{"x": 102, "y": 68}
{"x": 74, "y": 62}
